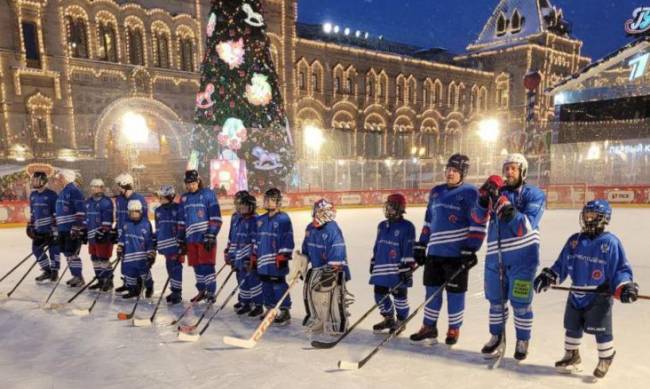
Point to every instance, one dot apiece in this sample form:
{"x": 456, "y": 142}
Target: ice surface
{"x": 55, "y": 349}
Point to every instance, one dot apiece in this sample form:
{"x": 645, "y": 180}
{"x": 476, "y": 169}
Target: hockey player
{"x": 123, "y": 191}
{"x": 229, "y": 251}
{"x": 454, "y": 229}
{"x": 324, "y": 290}
{"x": 251, "y": 301}
{"x": 137, "y": 250}
{"x": 392, "y": 263}
{"x": 99, "y": 221}
{"x": 70, "y": 221}
{"x": 41, "y": 228}
{"x": 199, "y": 224}
{"x": 272, "y": 252}
{"x": 517, "y": 209}
{"x": 596, "y": 262}
{"x": 166, "y": 219}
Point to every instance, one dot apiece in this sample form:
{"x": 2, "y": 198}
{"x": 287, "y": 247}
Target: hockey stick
{"x": 87, "y": 311}
{"x": 326, "y": 345}
{"x": 556, "y": 287}
{"x": 347, "y": 365}
{"x": 501, "y": 349}
{"x": 188, "y": 336}
{"x": 193, "y": 304}
{"x": 58, "y": 281}
{"x": 147, "y": 322}
{"x": 190, "y": 328}
{"x": 126, "y": 316}
{"x": 266, "y": 322}
{"x": 5, "y": 296}
{"x": 83, "y": 288}
{"x": 20, "y": 263}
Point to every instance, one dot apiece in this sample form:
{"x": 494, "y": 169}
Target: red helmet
{"x": 395, "y": 205}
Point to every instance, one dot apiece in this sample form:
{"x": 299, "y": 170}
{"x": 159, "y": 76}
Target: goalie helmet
{"x": 595, "y": 215}
{"x": 322, "y": 212}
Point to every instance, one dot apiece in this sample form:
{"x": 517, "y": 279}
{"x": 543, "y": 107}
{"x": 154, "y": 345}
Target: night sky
{"x": 452, "y": 24}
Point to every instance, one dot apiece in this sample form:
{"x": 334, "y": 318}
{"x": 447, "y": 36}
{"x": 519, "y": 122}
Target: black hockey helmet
{"x": 39, "y": 179}
{"x": 239, "y": 196}
{"x": 459, "y": 162}
{"x": 191, "y": 176}
{"x": 273, "y": 194}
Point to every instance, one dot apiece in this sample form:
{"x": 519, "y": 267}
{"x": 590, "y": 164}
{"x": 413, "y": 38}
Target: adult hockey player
{"x": 251, "y": 301}
{"x": 41, "y": 228}
{"x": 166, "y": 220}
{"x": 392, "y": 263}
{"x": 99, "y": 221}
{"x": 123, "y": 192}
{"x": 199, "y": 224}
{"x": 517, "y": 209}
{"x": 70, "y": 221}
{"x": 272, "y": 253}
{"x": 137, "y": 248}
{"x": 454, "y": 229}
{"x": 324, "y": 291}
{"x": 596, "y": 263}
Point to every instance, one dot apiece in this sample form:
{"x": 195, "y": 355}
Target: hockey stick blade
{"x": 185, "y": 337}
{"x": 323, "y": 345}
{"x": 346, "y": 365}
{"x": 141, "y": 322}
{"x": 81, "y": 312}
{"x": 237, "y": 342}
{"x": 188, "y": 329}
{"x": 4, "y": 296}
{"x": 498, "y": 357}
{"x": 54, "y": 306}
{"x": 124, "y": 316}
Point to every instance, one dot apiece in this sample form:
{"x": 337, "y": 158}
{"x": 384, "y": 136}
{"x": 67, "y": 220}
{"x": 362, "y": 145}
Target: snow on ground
{"x": 55, "y": 349}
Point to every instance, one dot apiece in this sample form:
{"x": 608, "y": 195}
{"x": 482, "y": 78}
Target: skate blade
{"x": 347, "y": 365}
{"x": 237, "y": 342}
{"x": 54, "y": 306}
{"x": 425, "y": 342}
{"x": 569, "y": 369}
{"x": 184, "y": 337}
{"x": 123, "y": 316}
{"x": 81, "y": 312}
{"x": 141, "y": 322}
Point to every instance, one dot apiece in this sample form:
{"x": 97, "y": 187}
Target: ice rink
{"x": 55, "y": 349}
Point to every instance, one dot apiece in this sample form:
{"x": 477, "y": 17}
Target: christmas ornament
{"x": 259, "y": 92}
{"x": 265, "y": 159}
{"x": 252, "y": 18}
{"x": 231, "y": 52}
{"x": 233, "y": 133}
{"x": 212, "y": 22}
{"x": 204, "y": 99}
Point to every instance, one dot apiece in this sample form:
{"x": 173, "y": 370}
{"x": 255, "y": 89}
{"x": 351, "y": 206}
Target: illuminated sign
{"x": 638, "y": 65}
{"x": 640, "y": 22}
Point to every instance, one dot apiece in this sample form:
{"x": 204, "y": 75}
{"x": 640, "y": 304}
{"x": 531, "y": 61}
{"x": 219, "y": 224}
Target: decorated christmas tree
{"x": 241, "y": 132}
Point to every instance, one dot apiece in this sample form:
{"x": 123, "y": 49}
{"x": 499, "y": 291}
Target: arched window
{"x": 502, "y": 24}
{"x": 302, "y": 80}
{"x": 136, "y": 46}
{"x": 107, "y": 49}
{"x": 161, "y": 56}
{"x": 349, "y": 88}
{"x": 516, "y": 22}
{"x": 77, "y": 37}
{"x": 337, "y": 84}
{"x": 314, "y": 81}
{"x": 187, "y": 54}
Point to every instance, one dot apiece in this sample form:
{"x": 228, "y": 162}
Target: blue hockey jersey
{"x": 274, "y": 236}
{"x": 392, "y": 252}
{"x": 99, "y": 215}
{"x": 325, "y": 246}
{"x": 230, "y": 248}
{"x": 166, "y": 219}
{"x": 591, "y": 263}
{"x": 519, "y": 237}
{"x": 242, "y": 239}
{"x": 198, "y": 213}
{"x": 70, "y": 208}
{"x": 122, "y": 211}
{"x": 453, "y": 221}
{"x": 42, "y": 207}
{"x": 137, "y": 240}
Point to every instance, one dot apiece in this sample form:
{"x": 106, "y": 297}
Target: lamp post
{"x": 489, "y": 131}
{"x": 313, "y": 140}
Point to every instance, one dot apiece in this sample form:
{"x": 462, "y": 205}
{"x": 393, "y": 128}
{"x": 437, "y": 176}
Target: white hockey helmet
{"x": 124, "y": 181}
{"x": 97, "y": 183}
{"x": 68, "y": 175}
{"x": 520, "y": 160}
{"x": 134, "y": 205}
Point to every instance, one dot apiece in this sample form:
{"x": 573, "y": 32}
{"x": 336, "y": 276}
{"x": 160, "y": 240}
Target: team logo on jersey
{"x": 259, "y": 224}
{"x": 574, "y": 244}
{"x": 324, "y": 236}
{"x": 275, "y": 225}
{"x": 453, "y": 218}
{"x": 392, "y": 253}
{"x": 200, "y": 213}
{"x": 397, "y": 233}
{"x": 306, "y": 234}
{"x": 597, "y": 274}
{"x": 604, "y": 247}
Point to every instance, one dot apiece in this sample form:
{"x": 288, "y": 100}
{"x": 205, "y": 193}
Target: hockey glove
{"x": 406, "y": 272}
{"x": 209, "y": 241}
{"x": 226, "y": 257}
{"x": 79, "y": 233}
{"x": 504, "y": 209}
{"x": 372, "y": 264}
{"x": 468, "y": 258}
{"x": 151, "y": 258}
{"x": 544, "y": 280}
{"x": 31, "y": 231}
{"x": 252, "y": 263}
{"x": 282, "y": 261}
{"x": 420, "y": 253}
{"x": 114, "y": 235}
{"x": 120, "y": 250}
{"x": 489, "y": 192}
{"x": 102, "y": 234}
{"x": 627, "y": 293}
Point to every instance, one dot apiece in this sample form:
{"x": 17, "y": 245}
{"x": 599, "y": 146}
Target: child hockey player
{"x": 137, "y": 250}
{"x": 99, "y": 220}
{"x": 166, "y": 244}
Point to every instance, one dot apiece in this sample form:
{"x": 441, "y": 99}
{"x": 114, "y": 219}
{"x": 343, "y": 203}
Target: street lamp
{"x": 489, "y": 130}
{"x": 134, "y": 131}
{"x": 313, "y": 138}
